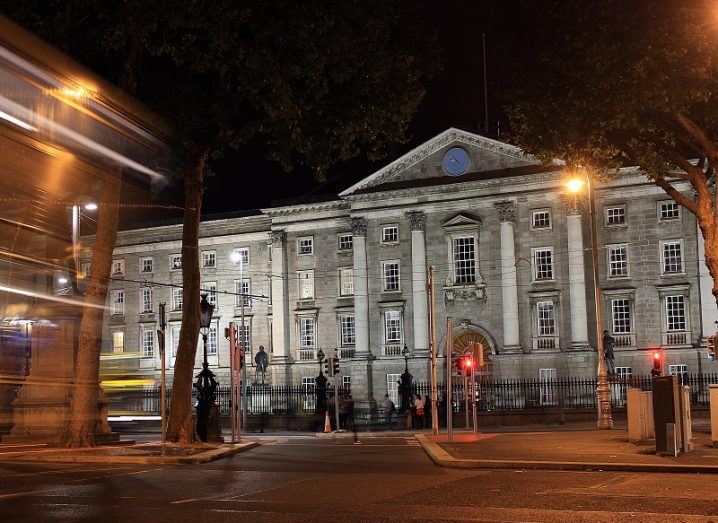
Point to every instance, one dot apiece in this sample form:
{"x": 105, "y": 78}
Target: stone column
{"x": 419, "y": 295}
{"x": 509, "y": 286}
{"x": 361, "y": 288}
{"x": 280, "y": 308}
{"x": 709, "y": 313}
{"x": 361, "y": 365}
{"x": 576, "y": 275}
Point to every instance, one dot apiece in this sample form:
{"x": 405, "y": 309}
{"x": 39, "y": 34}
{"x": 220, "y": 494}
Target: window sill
{"x": 673, "y": 275}
{"x": 614, "y": 278}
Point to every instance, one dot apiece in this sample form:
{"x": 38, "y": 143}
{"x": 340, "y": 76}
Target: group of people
{"x": 418, "y": 412}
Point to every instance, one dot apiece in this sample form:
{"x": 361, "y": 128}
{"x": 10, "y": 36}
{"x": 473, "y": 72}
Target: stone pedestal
{"x": 43, "y": 402}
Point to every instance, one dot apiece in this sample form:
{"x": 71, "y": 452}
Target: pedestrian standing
{"x": 389, "y": 409}
{"x": 419, "y": 405}
{"x": 343, "y": 412}
{"x": 427, "y": 412}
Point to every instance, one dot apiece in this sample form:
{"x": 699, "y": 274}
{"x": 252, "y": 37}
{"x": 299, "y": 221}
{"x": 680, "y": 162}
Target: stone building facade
{"x": 513, "y": 272}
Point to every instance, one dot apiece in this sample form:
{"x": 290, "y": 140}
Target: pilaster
{"x": 509, "y": 286}
{"x": 419, "y": 295}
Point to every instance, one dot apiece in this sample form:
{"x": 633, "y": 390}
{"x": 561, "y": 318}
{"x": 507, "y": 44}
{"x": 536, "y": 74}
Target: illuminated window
{"x": 118, "y": 267}
{"x": 118, "y": 341}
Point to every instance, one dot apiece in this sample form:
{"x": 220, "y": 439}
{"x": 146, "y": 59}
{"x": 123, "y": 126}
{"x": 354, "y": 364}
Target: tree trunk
{"x": 84, "y": 414}
{"x": 180, "y": 427}
{"x": 707, "y": 223}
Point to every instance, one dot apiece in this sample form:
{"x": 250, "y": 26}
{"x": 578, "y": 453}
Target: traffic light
{"x": 327, "y": 366}
{"x": 711, "y": 340}
{"x": 657, "y": 363}
{"x": 335, "y": 366}
{"x": 468, "y": 364}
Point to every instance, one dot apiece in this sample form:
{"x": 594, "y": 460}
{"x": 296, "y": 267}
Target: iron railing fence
{"x": 569, "y": 393}
{"x": 261, "y": 399}
{"x": 491, "y": 395}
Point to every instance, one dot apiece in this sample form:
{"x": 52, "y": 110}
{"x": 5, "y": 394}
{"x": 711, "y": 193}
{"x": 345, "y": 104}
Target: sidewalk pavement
{"x": 569, "y": 448}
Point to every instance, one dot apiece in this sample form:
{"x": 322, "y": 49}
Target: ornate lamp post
{"x": 603, "y": 392}
{"x": 321, "y": 386}
{"x": 406, "y": 381}
{"x": 206, "y": 383}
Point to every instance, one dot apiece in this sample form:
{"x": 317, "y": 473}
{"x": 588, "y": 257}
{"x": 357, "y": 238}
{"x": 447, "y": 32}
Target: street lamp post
{"x": 321, "y": 386}
{"x": 206, "y": 383}
{"x": 603, "y": 392}
{"x": 406, "y": 381}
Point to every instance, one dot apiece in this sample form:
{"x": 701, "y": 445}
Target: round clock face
{"x": 456, "y": 161}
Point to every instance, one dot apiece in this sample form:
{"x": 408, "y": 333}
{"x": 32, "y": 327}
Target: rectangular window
{"x": 212, "y": 340}
{"x": 306, "y": 285}
{"x": 345, "y": 242}
{"x": 242, "y": 291}
{"x": 210, "y": 288}
{"x": 306, "y": 332}
{"x": 240, "y": 255}
{"x": 547, "y": 389}
{"x": 392, "y": 388}
{"x": 175, "y": 262}
{"x": 346, "y": 282}
{"x": 175, "y": 332}
{"x": 616, "y": 215}
{"x": 680, "y": 370}
{"x": 346, "y": 382}
{"x": 392, "y": 327}
{"x": 177, "y": 297}
{"x": 146, "y": 265}
{"x": 146, "y": 294}
{"x": 464, "y": 251}
{"x": 390, "y": 234}
{"x": 243, "y": 337}
{"x": 672, "y": 256}
{"x": 390, "y": 271}
{"x": 118, "y": 341}
{"x": 541, "y": 219}
{"x": 669, "y": 211}
{"x": 86, "y": 269}
{"x": 621, "y": 316}
{"x": 118, "y": 302}
{"x": 148, "y": 343}
{"x": 546, "y": 318}
{"x": 617, "y": 261}
{"x": 209, "y": 259}
{"x": 543, "y": 263}
{"x": 305, "y": 245}
{"x": 118, "y": 267}
{"x": 348, "y": 331}
{"x": 675, "y": 313}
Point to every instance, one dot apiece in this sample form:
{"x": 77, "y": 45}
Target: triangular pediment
{"x": 462, "y": 220}
{"x": 424, "y": 163}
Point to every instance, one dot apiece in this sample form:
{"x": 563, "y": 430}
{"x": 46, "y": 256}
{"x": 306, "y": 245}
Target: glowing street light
{"x": 91, "y": 206}
{"x": 603, "y": 392}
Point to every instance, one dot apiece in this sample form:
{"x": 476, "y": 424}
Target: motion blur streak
{"x": 50, "y": 297}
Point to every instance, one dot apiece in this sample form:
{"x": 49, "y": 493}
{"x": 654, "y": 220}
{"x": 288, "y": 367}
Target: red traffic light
{"x": 468, "y": 362}
{"x": 656, "y": 355}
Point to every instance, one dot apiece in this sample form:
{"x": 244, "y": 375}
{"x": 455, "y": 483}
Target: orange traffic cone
{"x": 327, "y": 423}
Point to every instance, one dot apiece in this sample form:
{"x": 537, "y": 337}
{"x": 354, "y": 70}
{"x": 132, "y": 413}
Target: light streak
{"x": 17, "y": 121}
{"x": 50, "y": 297}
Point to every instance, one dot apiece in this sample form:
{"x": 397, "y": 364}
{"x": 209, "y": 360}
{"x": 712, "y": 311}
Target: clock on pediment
{"x": 456, "y": 161}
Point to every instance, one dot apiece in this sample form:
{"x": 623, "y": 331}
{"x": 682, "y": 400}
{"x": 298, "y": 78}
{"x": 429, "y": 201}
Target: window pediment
{"x": 462, "y": 221}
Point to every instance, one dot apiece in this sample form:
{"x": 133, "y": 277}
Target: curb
{"x": 75, "y": 456}
{"x": 443, "y": 458}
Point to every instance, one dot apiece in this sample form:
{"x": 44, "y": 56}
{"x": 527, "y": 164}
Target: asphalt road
{"x": 375, "y": 479}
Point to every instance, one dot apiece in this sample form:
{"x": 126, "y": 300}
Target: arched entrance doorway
{"x": 471, "y": 337}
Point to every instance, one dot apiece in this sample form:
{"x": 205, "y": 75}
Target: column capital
{"x": 417, "y": 220}
{"x": 358, "y": 226}
{"x": 276, "y": 238}
{"x": 573, "y": 203}
{"x": 507, "y": 210}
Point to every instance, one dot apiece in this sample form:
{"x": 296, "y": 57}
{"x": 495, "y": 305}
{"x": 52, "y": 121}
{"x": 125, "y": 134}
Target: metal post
{"x": 473, "y": 394}
{"x": 449, "y": 399}
{"x": 243, "y": 388}
{"x": 432, "y": 341}
{"x": 336, "y": 398}
{"x": 467, "y": 393}
{"x": 232, "y": 399}
{"x": 603, "y": 392}
{"x": 163, "y": 375}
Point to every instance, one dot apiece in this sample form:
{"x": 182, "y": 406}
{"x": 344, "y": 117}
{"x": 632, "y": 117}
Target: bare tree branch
{"x": 697, "y": 133}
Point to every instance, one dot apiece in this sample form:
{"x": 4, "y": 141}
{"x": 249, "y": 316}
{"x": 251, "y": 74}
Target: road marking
{"x": 179, "y": 502}
{"x": 270, "y": 488}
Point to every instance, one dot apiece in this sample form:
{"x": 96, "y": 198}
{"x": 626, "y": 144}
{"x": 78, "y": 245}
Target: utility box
{"x": 667, "y": 411}
{"x": 640, "y": 415}
{"x": 714, "y": 413}
{"x": 686, "y": 423}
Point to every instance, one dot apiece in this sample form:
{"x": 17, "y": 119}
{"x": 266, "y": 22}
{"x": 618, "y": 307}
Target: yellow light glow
{"x": 78, "y": 92}
{"x": 575, "y": 185}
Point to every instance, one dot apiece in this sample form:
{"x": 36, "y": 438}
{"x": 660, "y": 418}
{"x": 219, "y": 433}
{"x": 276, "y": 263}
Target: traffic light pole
{"x": 336, "y": 401}
{"x": 163, "y": 375}
{"x": 449, "y": 399}
{"x": 473, "y": 394}
{"x": 432, "y": 341}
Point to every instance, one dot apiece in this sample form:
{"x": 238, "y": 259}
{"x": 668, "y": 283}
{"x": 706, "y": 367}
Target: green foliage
{"x": 318, "y": 82}
{"x": 608, "y": 83}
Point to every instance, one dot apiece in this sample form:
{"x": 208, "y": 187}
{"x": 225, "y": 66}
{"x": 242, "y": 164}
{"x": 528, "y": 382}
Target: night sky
{"x": 244, "y": 180}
